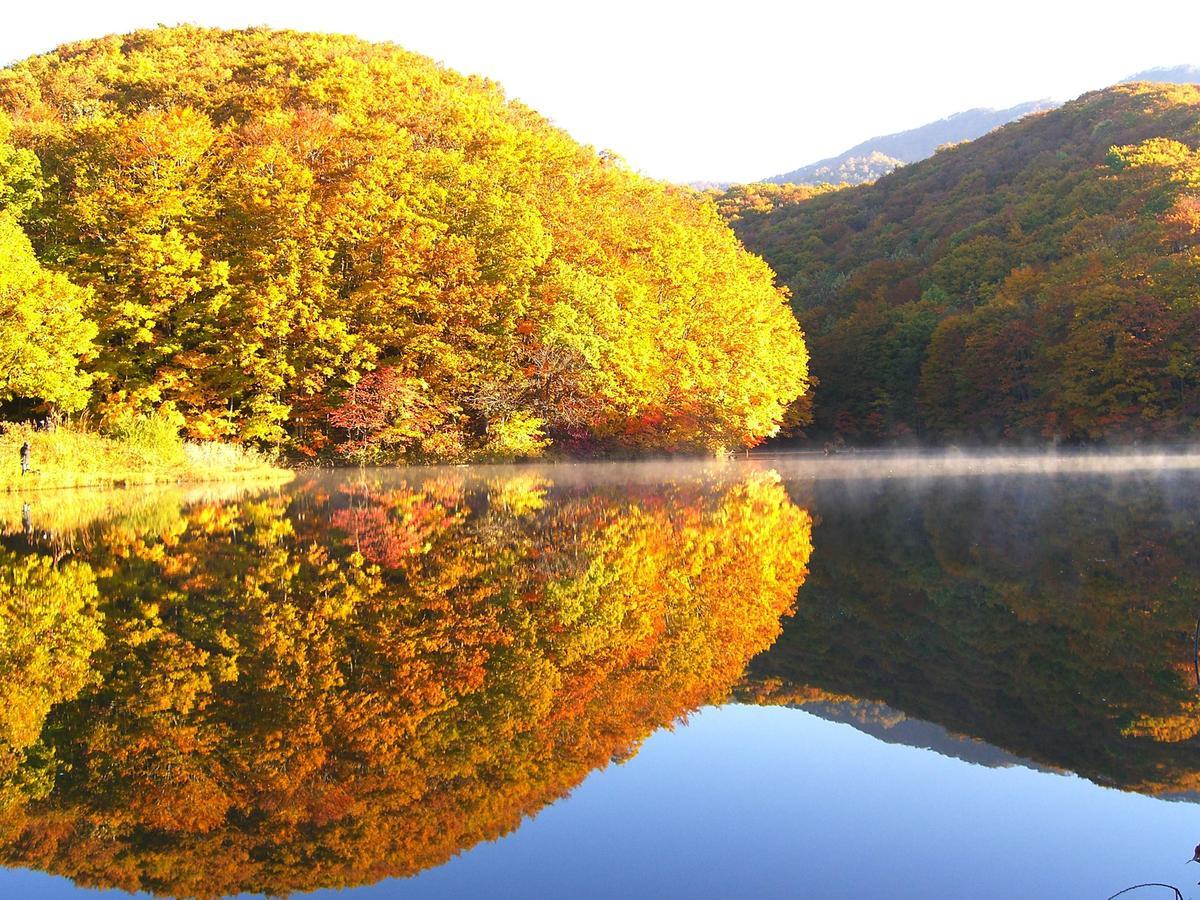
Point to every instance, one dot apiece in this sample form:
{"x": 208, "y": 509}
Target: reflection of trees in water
{"x": 1053, "y": 618}
{"x": 357, "y": 681}
{"x": 49, "y": 630}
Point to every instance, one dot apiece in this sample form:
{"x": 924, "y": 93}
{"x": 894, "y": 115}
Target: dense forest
{"x": 1040, "y": 283}
{"x": 358, "y": 680}
{"x": 335, "y": 247}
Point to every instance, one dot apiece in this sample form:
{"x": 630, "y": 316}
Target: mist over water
{"x": 845, "y": 465}
{"x": 982, "y": 463}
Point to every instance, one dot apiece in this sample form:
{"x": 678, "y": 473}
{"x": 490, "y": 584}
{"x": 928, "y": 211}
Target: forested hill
{"x": 338, "y": 247}
{"x": 1041, "y": 282}
{"x": 877, "y": 156}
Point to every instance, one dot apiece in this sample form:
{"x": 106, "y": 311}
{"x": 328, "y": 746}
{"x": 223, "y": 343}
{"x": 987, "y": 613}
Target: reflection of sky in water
{"x": 750, "y": 801}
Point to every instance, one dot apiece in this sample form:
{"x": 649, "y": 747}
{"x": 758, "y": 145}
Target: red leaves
{"x": 384, "y": 412}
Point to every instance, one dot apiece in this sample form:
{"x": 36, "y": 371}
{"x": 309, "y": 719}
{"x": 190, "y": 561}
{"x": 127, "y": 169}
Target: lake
{"x": 782, "y": 676}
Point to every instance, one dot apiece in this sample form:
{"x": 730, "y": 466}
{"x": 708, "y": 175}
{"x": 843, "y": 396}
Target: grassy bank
{"x": 68, "y": 456}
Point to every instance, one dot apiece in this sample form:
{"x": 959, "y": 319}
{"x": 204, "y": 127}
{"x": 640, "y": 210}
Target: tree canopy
{"x": 44, "y": 331}
{"x": 268, "y": 219}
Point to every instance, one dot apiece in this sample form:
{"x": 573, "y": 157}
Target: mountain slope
{"x": 1041, "y": 282}
{"x": 877, "y": 156}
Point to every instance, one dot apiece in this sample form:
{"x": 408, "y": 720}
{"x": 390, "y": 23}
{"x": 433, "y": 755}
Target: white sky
{"x": 716, "y": 91}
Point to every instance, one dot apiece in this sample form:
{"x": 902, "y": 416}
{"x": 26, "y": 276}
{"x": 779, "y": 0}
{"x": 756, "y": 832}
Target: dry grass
{"x": 68, "y": 456}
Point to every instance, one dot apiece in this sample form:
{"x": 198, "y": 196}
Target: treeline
{"x": 336, "y": 247}
{"x": 1039, "y": 283}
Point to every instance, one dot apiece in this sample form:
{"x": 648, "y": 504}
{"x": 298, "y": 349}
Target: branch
{"x": 1178, "y": 893}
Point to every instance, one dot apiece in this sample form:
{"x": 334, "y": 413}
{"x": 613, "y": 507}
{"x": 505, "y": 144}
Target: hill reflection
{"x": 350, "y": 679}
{"x": 357, "y": 679}
{"x": 1053, "y": 618}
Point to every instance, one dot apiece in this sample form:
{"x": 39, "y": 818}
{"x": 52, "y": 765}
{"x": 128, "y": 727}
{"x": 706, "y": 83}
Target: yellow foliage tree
{"x": 260, "y": 242}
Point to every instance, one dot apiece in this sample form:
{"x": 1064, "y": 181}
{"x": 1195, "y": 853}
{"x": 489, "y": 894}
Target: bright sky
{"x": 700, "y": 90}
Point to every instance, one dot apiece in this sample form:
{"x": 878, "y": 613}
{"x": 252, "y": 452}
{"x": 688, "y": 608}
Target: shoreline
{"x": 72, "y": 457}
{"x": 867, "y": 464}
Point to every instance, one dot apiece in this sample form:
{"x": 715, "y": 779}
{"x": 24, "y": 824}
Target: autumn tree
{"x": 44, "y": 330}
{"x": 343, "y": 217}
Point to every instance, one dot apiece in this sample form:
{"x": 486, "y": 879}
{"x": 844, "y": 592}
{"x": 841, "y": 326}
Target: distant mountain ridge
{"x": 877, "y": 156}
{"x": 891, "y": 726}
{"x": 1167, "y": 75}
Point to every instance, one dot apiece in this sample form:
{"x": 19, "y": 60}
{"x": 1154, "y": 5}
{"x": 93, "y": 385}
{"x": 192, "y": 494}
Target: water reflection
{"x": 1053, "y": 618}
{"x": 357, "y": 677}
{"x": 352, "y": 679}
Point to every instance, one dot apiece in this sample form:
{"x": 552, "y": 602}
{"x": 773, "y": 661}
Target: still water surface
{"x": 775, "y": 677}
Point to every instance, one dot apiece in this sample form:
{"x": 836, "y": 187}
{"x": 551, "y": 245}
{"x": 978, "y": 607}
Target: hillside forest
{"x": 1038, "y": 284}
{"x": 339, "y": 250}
{"x": 342, "y": 249}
